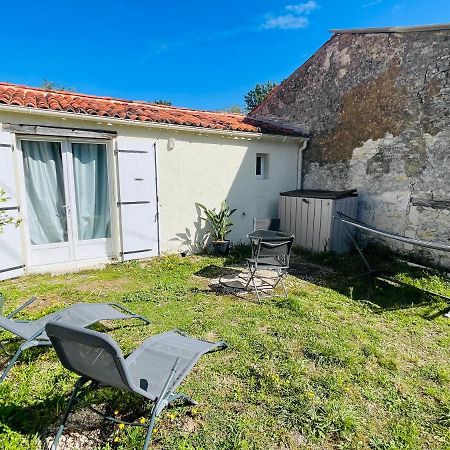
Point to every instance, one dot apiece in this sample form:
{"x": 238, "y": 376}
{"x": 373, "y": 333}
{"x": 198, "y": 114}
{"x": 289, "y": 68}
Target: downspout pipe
{"x": 301, "y": 148}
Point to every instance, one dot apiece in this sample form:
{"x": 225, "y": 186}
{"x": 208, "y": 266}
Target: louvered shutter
{"x": 136, "y": 164}
{"x": 11, "y": 254}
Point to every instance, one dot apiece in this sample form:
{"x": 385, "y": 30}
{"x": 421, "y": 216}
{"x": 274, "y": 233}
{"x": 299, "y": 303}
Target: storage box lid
{"x": 315, "y": 193}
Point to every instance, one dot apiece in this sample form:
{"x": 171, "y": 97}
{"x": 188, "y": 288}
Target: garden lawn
{"x": 342, "y": 363}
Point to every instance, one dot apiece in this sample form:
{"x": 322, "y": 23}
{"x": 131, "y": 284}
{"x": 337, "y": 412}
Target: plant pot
{"x": 221, "y": 248}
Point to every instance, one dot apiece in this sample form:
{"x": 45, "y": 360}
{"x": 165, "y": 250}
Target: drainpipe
{"x": 301, "y": 147}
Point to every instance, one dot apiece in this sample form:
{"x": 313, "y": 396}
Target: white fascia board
{"x": 245, "y": 135}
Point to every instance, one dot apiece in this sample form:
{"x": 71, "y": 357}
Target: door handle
{"x": 67, "y": 209}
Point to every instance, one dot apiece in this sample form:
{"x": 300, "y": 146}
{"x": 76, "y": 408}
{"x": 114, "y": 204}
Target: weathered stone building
{"x": 376, "y": 105}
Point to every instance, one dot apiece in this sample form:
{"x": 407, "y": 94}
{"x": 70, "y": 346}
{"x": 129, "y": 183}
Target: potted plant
{"x": 220, "y": 226}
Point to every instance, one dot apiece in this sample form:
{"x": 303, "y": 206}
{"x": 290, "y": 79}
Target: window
{"x": 262, "y": 165}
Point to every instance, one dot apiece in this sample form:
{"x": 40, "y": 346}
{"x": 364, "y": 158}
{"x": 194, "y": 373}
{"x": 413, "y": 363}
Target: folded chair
{"x": 154, "y": 370}
{"x": 271, "y": 251}
{"x": 81, "y": 314}
{"x": 266, "y": 224}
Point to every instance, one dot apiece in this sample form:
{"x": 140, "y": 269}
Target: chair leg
{"x": 282, "y": 284}
{"x": 79, "y": 384}
{"x": 160, "y": 404}
{"x": 31, "y": 342}
{"x": 250, "y": 277}
{"x": 11, "y": 362}
{"x": 256, "y": 287}
{"x": 151, "y": 425}
{"x": 277, "y": 281}
{"x": 280, "y": 276}
{"x": 157, "y": 408}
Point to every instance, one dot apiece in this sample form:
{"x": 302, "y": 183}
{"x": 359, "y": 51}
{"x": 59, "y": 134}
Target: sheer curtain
{"x": 44, "y": 182}
{"x": 91, "y": 191}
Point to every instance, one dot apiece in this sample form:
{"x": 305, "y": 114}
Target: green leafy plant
{"x": 218, "y": 221}
{"x": 6, "y": 219}
{"x": 163, "y": 102}
{"x": 258, "y": 94}
{"x": 54, "y": 86}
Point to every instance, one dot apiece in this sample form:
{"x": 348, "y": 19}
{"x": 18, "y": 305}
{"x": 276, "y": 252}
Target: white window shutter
{"x": 11, "y": 254}
{"x": 136, "y": 163}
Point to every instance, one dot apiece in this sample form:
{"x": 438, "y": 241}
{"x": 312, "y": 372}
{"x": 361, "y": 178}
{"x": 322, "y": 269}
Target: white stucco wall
{"x": 210, "y": 169}
{"x": 202, "y": 167}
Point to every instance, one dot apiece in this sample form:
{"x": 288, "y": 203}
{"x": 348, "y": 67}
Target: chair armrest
{"x": 132, "y": 314}
{"x": 21, "y": 307}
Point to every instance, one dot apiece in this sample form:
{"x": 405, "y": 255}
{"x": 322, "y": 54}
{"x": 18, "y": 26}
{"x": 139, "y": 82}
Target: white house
{"x": 97, "y": 179}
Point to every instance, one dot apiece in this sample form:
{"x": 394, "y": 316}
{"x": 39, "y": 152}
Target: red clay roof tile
{"x": 29, "y": 97}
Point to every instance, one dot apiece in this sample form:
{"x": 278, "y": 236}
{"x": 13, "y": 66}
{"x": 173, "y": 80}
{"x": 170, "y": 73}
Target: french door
{"x": 67, "y": 200}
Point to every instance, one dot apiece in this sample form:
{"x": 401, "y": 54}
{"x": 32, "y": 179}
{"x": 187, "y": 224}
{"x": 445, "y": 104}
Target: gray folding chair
{"x": 266, "y": 224}
{"x": 154, "y": 370}
{"x": 81, "y": 314}
{"x": 271, "y": 251}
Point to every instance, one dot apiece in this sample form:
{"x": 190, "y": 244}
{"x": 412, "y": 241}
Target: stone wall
{"x": 377, "y": 109}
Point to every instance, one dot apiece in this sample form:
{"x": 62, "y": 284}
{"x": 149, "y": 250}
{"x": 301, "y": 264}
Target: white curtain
{"x": 91, "y": 191}
{"x": 44, "y": 183}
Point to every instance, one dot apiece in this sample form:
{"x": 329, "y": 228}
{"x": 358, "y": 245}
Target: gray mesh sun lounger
{"x": 81, "y": 314}
{"x": 154, "y": 370}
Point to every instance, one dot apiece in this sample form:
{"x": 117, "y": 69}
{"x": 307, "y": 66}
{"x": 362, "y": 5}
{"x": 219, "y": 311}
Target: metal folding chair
{"x": 266, "y": 224}
{"x": 271, "y": 251}
{"x": 154, "y": 370}
{"x": 81, "y": 314}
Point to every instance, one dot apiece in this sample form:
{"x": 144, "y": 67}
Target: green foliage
{"x": 218, "y": 221}
{"x": 12, "y": 440}
{"x": 233, "y": 109}
{"x": 54, "y": 86}
{"x": 258, "y": 94}
{"x": 6, "y": 219}
{"x": 163, "y": 102}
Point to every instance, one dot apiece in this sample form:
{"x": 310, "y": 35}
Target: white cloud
{"x": 292, "y": 20}
{"x": 301, "y": 8}
{"x": 191, "y": 39}
{"x": 286, "y": 22}
{"x": 372, "y": 3}
{"x": 396, "y": 8}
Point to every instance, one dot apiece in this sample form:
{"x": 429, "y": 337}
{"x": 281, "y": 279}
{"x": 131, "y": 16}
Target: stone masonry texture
{"x": 377, "y": 110}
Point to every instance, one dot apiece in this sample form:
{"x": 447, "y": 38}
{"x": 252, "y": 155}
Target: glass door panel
{"x": 90, "y": 173}
{"x": 46, "y": 198}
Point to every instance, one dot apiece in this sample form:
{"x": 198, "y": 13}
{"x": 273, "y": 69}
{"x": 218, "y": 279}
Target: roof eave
{"x": 249, "y": 135}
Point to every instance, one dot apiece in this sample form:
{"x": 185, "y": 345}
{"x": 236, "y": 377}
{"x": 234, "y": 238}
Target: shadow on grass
{"x": 34, "y": 417}
{"x": 44, "y": 417}
{"x": 213, "y": 271}
{"x": 385, "y": 290}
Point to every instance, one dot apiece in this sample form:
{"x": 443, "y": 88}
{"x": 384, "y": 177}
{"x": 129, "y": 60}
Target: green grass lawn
{"x": 341, "y": 364}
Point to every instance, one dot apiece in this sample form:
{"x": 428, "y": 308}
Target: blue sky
{"x": 200, "y": 54}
